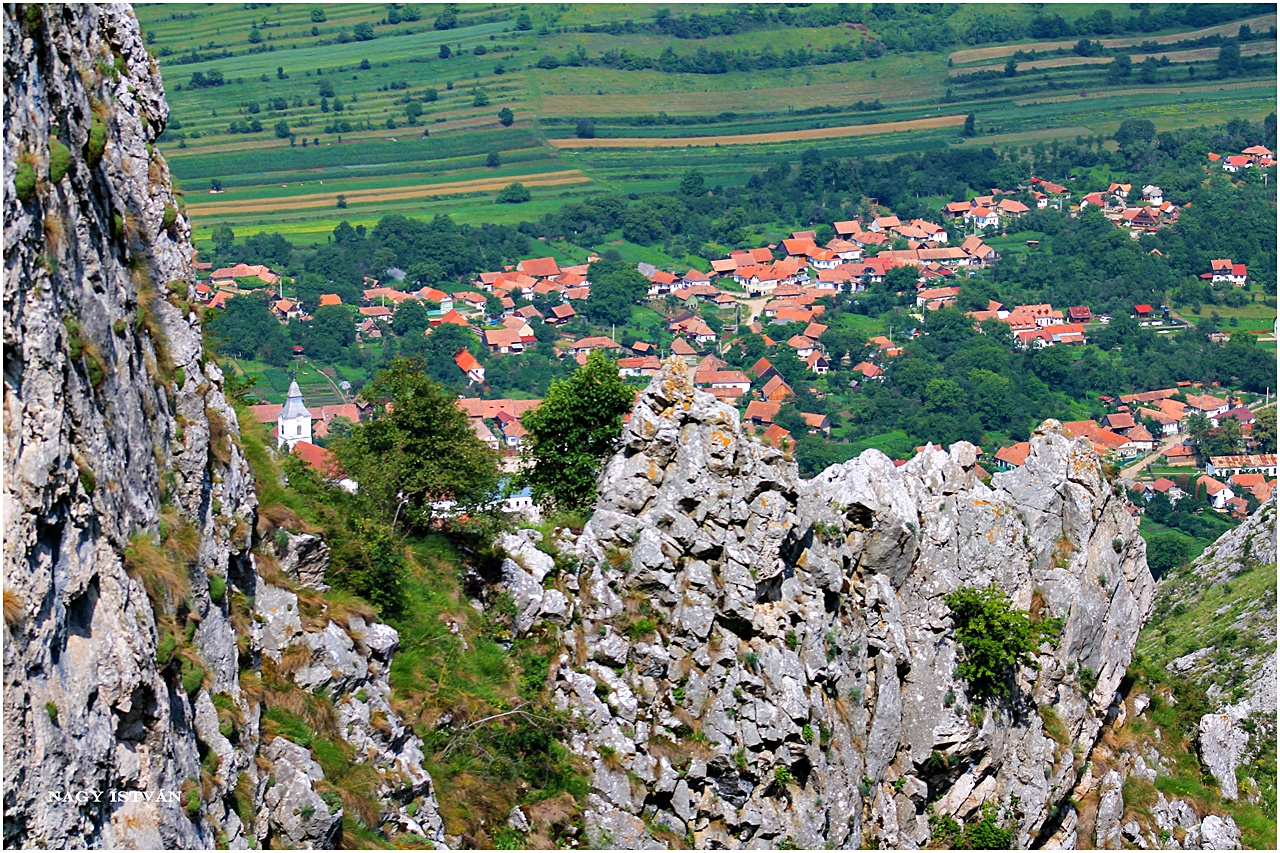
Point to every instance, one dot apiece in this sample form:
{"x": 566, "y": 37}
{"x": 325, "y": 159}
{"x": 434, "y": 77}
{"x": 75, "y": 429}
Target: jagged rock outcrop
{"x": 349, "y": 659}
{"x": 762, "y": 660}
{"x": 129, "y": 508}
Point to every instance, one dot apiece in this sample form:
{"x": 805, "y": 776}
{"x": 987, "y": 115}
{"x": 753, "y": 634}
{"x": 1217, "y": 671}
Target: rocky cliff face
{"x": 129, "y": 508}
{"x": 762, "y": 660}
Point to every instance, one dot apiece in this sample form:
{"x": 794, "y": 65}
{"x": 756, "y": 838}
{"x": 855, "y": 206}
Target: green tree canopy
{"x": 1264, "y": 431}
{"x": 246, "y": 328}
{"x": 223, "y": 237}
{"x": 572, "y": 431}
{"x": 331, "y": 332}
{"x": 421, "y": 452}
{"x": 410, "y": 319}
{"x": 513, "y": 193}
{"x": 615, "y": 288}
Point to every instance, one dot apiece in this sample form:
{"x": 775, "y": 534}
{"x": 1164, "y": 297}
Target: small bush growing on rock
{"x": 192, "y": 677}
{"x": 52, "y": 710}
{"x": 192, "y": 804}
{"x": 165, "y": 649}
{"x": 59, "y": 160}
{"x": 996, "y": 639}
{"x": 987, "y": 834}
{"x": 97, "y": 143}
{"x": 217, "y": 588}
{"x": 24, "y": 181}
{"x": 641, "y": 628}
{"x": 1088, "y": 679}
{"x": 219, "y": 436}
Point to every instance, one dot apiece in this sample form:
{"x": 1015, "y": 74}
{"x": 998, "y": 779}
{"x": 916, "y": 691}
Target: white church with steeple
{"x": 293, "y": 424}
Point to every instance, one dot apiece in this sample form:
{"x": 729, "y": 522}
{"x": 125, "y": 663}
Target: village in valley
{"x": 778, "y": 303}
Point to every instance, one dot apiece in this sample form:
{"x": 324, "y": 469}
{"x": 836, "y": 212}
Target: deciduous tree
{"x": 421, "y": 452}
{"x": 574, "y": 429}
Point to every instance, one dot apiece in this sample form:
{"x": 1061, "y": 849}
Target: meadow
{"x": 365, "y": 103}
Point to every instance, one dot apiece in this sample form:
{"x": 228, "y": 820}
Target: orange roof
{"x": 318, "y": 458}
{"x": 1014, "y": 454}
{"x": 777, "y": 387}
{"x": 868, "y": 369}
{"x": 330, "y": 299}
{"x": 777, "y": 436}
{"x": 597, "y": 342}
{"x": 711, "y": 377}
{"x": 1211, "y": 485}
{"x": 465, "y": 361}
{"x": 682, "y": 347}
{"x": 800, "y": 342}
{"x": 501, "y": 337}
{"x": 758, "y": 410}
{"x": 477, "y": 408}
{"x": 455, "y": 318}
{"x": 539, "y": 267}
{"x": 799, "y": 246}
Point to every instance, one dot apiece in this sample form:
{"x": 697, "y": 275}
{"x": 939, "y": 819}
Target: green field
{"x": 273, "y": 182}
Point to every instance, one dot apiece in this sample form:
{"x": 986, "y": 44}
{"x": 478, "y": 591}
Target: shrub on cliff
{"x": 996, "y": 639}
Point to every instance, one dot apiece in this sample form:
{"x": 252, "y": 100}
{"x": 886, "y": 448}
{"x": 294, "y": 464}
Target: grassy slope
{"x": 257, "y": 167}
{"x": 474, "y": 696}
{"x": 1191, "y": 615}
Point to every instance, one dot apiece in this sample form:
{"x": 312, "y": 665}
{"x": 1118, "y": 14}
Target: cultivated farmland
{"x": 758, "y": 138}
{"x": 403, "y": 113}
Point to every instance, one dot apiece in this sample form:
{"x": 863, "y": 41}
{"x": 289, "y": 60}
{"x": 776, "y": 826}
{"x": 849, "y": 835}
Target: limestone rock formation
{"x": 129, "y": 508}
{"x": 762, "y": 660}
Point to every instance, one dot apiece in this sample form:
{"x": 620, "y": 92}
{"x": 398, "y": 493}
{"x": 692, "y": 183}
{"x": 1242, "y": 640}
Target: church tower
{"x": 294, "y": 421}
